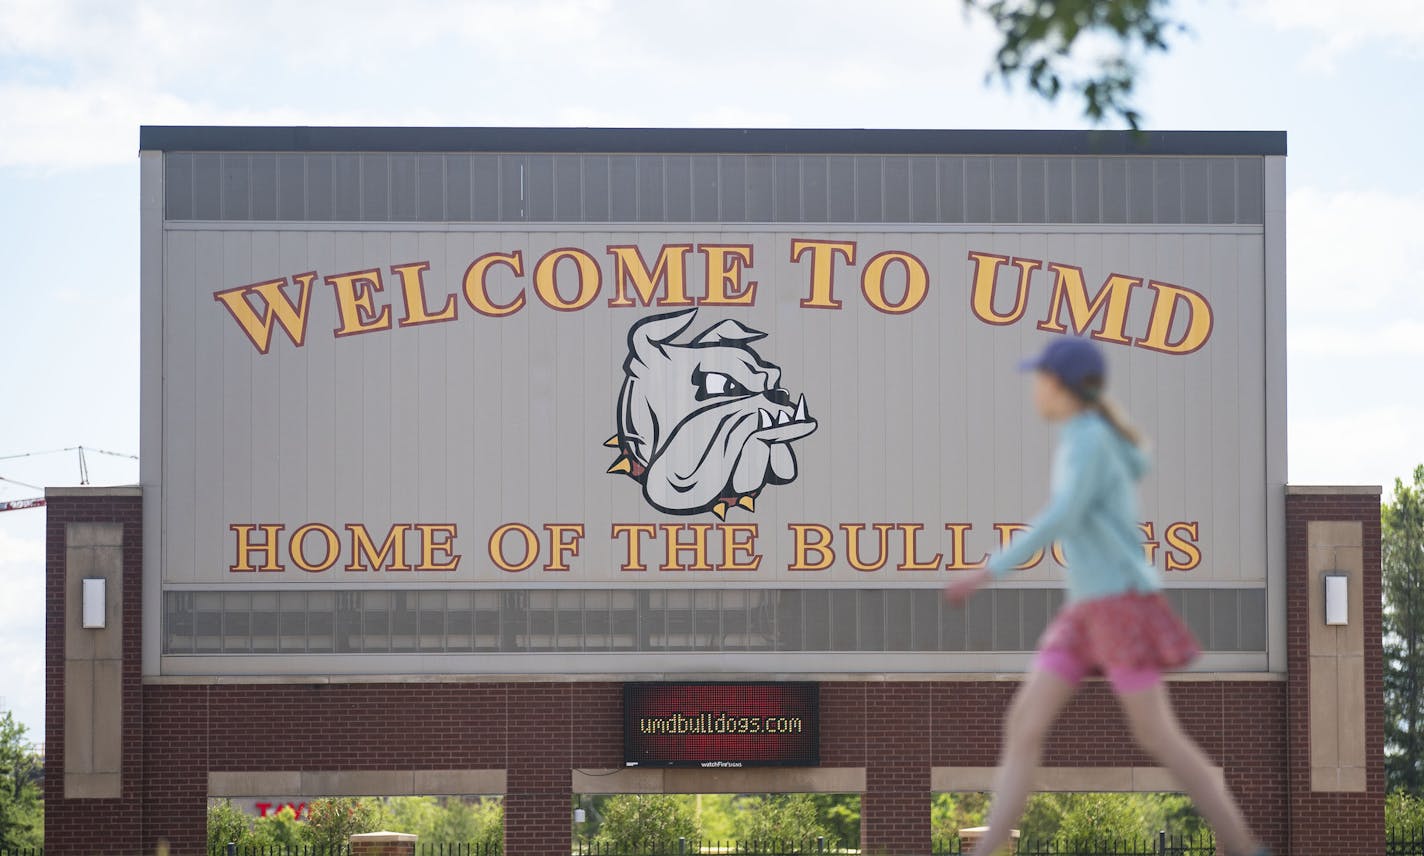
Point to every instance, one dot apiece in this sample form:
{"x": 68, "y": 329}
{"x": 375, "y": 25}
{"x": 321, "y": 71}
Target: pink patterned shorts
{"x": 1131, "y": 638}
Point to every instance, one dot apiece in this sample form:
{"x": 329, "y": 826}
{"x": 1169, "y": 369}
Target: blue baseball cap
{"x": 1072, "y": 360}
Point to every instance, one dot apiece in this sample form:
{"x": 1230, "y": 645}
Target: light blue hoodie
{"x": 1092, "y": 513}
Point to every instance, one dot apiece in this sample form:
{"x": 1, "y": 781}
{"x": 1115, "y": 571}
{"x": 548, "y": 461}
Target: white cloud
{"x": 23, "y": 690}
{"x": 1344, "y": 25}
{"x": 1372, "y": 445}
{"x": 1356, "y": 315}
{"x": 15, "y": 550}
{"x": 83, "y": 78}
{"x": 153, "y": 39}
{"x": 1354, "y": 251}
{"x": 80, "y": 79}
{"x": 732, "y": 116}
{"x": 63, "y": 126}
{"x": 22, "y": 618}
{"x": 1396, "y": 338}
{"x": 33, "y": 26}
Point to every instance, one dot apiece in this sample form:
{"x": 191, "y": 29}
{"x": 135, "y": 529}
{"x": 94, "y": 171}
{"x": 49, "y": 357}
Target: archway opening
{"x": 1080, "y": 822}
{"x": 465, "y": 825}
{"x": 681, "y": 824}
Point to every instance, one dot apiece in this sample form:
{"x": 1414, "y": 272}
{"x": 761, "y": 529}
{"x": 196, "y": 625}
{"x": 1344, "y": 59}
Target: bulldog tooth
{"x": 747, "y": 502}
{"x": 766, "y": 420}
{"x": 800, "y": 410}
{"x": 782, "y": 418}
{"x": 720, "y": 509}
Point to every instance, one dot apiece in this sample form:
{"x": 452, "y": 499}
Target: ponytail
{"x": 1090, "y": 392}
{"x": 1112, "y": 413}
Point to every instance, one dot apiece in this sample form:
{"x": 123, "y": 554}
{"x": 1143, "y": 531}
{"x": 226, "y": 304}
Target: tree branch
{"x": 1039, "y": 38}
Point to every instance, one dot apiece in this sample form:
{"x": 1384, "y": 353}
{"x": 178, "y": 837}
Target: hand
{"x": 958, "y": 591}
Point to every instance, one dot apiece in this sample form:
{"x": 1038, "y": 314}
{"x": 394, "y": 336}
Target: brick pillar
{"x": 94, "y": 743}
{"x": 895, "y": 810}
{"x": 383, "y": 844}
{"x": 1335, "y": 674}
{"x": 969, "y": 838}
{"x": 1252, "y": 753}
{"x": 538, "y": 797}
{"x": 175, "y": 777}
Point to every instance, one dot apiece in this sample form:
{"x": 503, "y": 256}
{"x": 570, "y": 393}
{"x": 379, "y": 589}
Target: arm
{"x": 1073, "y": 492}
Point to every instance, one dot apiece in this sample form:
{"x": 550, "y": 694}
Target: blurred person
{"x": 1115, "y": 621}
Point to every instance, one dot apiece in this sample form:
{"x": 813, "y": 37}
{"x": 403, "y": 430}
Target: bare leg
{"x": 1155, "y": 726}
{"x": 1034, "y": 708}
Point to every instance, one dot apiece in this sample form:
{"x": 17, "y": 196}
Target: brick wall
{"x": 175, "y": 733}
{"x": 1332, "y": 822}
{"x": 538, "y": 732}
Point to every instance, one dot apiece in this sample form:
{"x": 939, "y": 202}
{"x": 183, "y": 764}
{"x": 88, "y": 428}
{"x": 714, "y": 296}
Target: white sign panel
{"x": 785, "y": 407}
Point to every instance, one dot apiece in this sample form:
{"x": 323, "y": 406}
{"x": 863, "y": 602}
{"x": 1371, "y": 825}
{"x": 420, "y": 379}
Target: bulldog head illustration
{"x": 704, "y": 425}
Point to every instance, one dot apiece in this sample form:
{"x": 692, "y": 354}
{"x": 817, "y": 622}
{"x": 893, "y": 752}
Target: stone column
{"x": 970, "y": 836}
{"x": 383, "y": 844}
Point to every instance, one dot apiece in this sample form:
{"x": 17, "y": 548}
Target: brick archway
{"x": 127, "y": 774}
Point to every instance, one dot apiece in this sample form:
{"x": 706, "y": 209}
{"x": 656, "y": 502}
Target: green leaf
{"x": 1039, "y": 37}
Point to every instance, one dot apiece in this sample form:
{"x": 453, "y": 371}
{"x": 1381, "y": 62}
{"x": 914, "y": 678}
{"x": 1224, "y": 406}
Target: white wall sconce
{"x": 93, "y": 618}
{"x": 580, "y": 815}
{"x": 1337, "y": 599}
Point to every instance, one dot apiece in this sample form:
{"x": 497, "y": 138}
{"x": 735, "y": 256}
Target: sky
{"x": 77, "y": 79}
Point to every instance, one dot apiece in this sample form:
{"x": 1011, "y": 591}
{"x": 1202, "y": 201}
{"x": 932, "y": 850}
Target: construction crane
{"x": 39, "y": 501}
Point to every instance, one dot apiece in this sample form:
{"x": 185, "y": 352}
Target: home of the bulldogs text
{"x": 643, "y": 548}
{"x": 568, "y": 279}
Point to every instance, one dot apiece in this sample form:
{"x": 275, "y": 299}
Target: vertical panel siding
{"x": 482, "y": 421}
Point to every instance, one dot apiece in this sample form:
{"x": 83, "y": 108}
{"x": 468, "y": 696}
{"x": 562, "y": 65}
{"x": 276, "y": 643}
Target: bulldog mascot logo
{"x": 703, "y": 425}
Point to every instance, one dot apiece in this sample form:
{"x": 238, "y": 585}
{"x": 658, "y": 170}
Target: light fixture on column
{"x": 1337, "y": 598}
{"x": 93, "y": 612}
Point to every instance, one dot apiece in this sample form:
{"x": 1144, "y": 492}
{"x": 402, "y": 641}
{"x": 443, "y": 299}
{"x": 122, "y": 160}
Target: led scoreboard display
{"x": 721, "y": 724}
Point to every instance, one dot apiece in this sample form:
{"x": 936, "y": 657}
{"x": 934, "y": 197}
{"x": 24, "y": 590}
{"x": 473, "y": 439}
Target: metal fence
{"x": 1159, "y": 845}
{"x": 1404, "y": 842}
{"x": 1397, "y": 843}
{"x": 696, "y": 847}
{"x": 468, "y": 848}
{"x": 279, "y": 851}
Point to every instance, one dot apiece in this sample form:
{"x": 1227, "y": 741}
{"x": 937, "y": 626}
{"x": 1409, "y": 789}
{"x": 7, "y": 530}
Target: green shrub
{"x": 950, "y": 813}
{"x": 1404, "y": 813}
{"x": 280, "y": 828}
{"x": 329, "y": 822}
{"x": 1079, "y": 818}
{"x": 777, "y": 817}
{"x": 633, "y": 821}
{"x": 333, "y": 821}
{"x": 447, "y": 821}
{"x": 226, "y": 824}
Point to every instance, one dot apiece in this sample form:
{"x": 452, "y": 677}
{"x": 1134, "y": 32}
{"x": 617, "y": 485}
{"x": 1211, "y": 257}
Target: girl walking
{"x": 1115, "y": 621}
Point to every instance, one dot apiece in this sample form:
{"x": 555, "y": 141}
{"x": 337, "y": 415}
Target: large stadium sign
{"x": 746, "y": 409}
{"x": 704, "y": 424}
